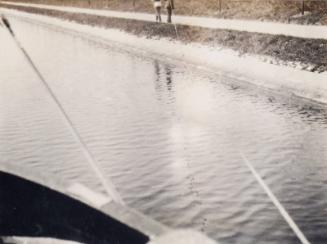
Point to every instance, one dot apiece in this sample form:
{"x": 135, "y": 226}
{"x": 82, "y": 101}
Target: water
{"x": 167, "y": 134}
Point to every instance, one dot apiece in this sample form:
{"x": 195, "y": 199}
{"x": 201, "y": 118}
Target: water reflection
{"x": 163, "y": 72}
{"x": 168, "y": 77}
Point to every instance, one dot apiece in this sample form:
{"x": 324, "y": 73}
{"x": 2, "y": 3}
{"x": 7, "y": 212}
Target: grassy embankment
{"x": 276, "y": 10}
{"x": 301, "y": 53}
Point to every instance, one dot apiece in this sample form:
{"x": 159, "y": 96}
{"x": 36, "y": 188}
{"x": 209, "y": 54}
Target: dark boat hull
{"x": 31, "y": 209}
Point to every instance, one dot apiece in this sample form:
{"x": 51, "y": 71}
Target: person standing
{"x": 157, "y": 8}
{"x": 169, "y": 6}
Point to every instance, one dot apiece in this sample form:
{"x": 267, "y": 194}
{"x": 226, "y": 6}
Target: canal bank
{"x": 241, "y": 55}
{"x": 298, "y": 46}
{"x": 263, "y": 10}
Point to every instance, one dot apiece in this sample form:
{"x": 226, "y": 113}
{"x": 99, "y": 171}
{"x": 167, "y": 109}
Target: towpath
{"x": 273, "y": 28}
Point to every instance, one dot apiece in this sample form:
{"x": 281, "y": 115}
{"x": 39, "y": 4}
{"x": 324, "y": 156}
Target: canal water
{"x": 169, "y": 136}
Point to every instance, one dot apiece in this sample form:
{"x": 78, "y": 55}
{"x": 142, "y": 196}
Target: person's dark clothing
{"x": 169, "y": 6}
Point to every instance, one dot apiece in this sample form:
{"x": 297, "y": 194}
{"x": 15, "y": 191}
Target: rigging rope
{"x": 107, "y": 184}
{"x": 276, "y": 202}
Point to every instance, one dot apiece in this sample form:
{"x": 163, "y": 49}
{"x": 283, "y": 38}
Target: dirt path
{"x": 301, "y": 31}
{"x": 263, "y": 10}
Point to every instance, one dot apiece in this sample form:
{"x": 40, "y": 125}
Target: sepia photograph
{"x": 163, "y": 121}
